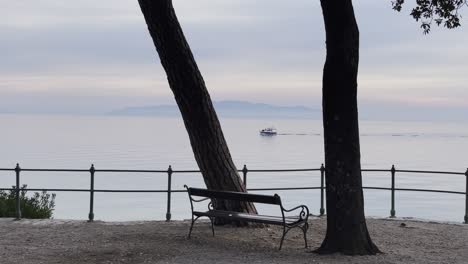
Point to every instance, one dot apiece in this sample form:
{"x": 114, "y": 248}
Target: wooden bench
{"x": 299, "y": 220}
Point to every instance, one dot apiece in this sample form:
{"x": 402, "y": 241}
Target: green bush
{"x": 39, "y": 206}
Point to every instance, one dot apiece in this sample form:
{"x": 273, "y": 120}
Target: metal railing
{"x": 169, "y": 172}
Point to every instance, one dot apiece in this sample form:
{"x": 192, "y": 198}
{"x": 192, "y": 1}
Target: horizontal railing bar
{"x": 159, "y": 171}
{"x": 57, "y": 170}
{"x": 434, "y": 172}
{"x": 96, "y": 170}
{"x": 424, "y": 190}
{"x": 88, "y": 190}
{"x": 155, "y": 191}
{"x": 284, "y": 189}
{"x": 142, "y": 171}
{"x": 197, "y": 171}
{"x": 253, "y": 189}
{"x": 134, "y": 191}
{"x": 48, "y": 190}
{"x": 377, "y": 188}
{"x": 285, "y": 170}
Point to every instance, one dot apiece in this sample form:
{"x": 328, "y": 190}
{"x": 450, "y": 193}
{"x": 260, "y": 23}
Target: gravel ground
{"x": 59, "y": 241}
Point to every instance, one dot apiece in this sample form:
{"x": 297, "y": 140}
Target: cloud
{"x": 33, "y": 15}
{"x": 265, "y": 50}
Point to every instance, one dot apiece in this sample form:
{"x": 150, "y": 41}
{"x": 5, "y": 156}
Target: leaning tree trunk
{"x": 206, "y": 137}
{"x": 346, "y": 224}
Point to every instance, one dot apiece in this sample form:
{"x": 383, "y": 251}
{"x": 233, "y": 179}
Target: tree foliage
{"x": 442, "y": 12}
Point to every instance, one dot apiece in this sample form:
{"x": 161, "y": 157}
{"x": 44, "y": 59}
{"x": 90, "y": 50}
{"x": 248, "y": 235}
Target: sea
{"x": 154, "y": 143}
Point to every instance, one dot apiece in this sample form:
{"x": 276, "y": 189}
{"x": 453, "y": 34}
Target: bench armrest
{"x": 192, "y": 200}
{"x": 303, "y": 214}
{"x": 199, "y": 200}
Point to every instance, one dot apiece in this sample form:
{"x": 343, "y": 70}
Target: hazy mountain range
{"x": 367, "y": 111}
{"x": 380, "y": 111}
{"x": 228, "y": 109}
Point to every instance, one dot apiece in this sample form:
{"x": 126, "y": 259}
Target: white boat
{"x": 269, "y": 131}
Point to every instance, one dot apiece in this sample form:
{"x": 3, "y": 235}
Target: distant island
{"x": 368, "y": 110}
{"x": 228, "y": 109}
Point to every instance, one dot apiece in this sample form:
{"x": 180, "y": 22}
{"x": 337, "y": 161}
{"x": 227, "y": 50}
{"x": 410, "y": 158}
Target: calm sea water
{"x": 155, "y": 143}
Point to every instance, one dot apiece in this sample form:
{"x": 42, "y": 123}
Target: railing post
{"x": 322, "y": 183}
{"x": 466, "y": 198}
{"x": 244, "y": 172}
{"x": 91, "y": 195}
{"x": 169, "y": 187}
{"x": 392, "y": 210}
{"x": 18, "y": 192}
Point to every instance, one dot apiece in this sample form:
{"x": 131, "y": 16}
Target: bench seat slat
{"x": 266, "y": 219}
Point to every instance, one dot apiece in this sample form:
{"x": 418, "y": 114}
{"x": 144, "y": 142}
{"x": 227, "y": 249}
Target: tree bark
{"x": 186, "y": 82}
{"x": 346, "y": 224}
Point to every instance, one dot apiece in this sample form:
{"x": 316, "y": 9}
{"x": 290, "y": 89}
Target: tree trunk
{"x": 346, "y": 224}
{"x": 206, "y": 137}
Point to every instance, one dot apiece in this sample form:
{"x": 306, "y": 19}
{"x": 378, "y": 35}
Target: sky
{"x": 96, "y": 56}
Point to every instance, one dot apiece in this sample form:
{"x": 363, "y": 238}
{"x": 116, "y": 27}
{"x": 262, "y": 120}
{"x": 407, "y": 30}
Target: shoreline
{"x": 312, "y": 217}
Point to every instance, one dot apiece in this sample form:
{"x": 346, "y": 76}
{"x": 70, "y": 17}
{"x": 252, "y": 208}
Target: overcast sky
{"x": 97, "y": 55}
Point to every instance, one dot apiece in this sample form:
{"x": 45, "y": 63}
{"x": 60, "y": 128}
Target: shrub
{"x": 38, "y": 206}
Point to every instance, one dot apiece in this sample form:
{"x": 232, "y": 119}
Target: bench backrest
{"x": 236, "y": 196}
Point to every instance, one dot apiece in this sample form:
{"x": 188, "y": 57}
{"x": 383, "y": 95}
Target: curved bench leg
{"x": 304, "y": 230}
{"x": 285, "y": 231}
{"x": 191, "y": 226}
{"x": 212, "y": 224}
